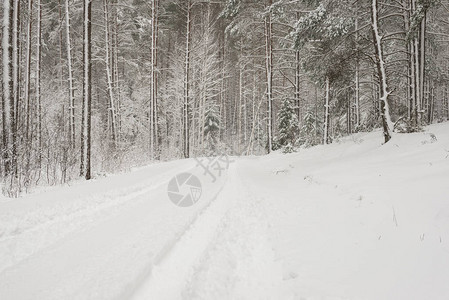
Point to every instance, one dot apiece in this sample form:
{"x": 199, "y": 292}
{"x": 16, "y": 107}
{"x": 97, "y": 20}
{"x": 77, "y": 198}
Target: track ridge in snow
{"x": 168, "y": 275}
{"x": 239, "y": 263}
{"x": 31, "y": 233}
{"x": 226, "y": 251}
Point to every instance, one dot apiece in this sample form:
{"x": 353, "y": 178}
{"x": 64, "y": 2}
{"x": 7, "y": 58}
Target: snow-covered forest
{"x": 224, "y": 149}
{"x": 93, "y": 87}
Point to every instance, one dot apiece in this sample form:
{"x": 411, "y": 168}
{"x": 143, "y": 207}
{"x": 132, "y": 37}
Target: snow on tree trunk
{"x": 8, "y": 85}
{"x": 85, "y": 166}
{"x": 108, "y": 74}
{"x": 16, "y": 88}
{"x": 153, "y": 79}
{"x": 269, "y": 74}
{"x": 70, "y": 78}
{"x": 27, "y": 101}
{"x": 357, "y": 73}
{"x": 326, "y": 114}
{"x": 186, "y": 106}
{"x": 422, "y": 61}
{"x": 380, "y": 63}
{"x": 38, "y": 82}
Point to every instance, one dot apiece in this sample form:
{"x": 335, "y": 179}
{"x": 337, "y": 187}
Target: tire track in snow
{"x": 141, "y": 279}
{"x": 51, "y": 226}
{"x": 168, "y": 277}
{"x": 224, "y": 254}
{"x": 239, "y": 263}
{"x": 107, "y": 258}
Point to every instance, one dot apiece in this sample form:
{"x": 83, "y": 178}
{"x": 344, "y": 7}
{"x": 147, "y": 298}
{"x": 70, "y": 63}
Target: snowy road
{"x": 92, "y": 243}
{"x": 225, "y": 254}
{"x": 276, "y": 227}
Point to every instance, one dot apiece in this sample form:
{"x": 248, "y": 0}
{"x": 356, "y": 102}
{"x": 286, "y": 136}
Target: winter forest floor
{"x": 350, "y": 220}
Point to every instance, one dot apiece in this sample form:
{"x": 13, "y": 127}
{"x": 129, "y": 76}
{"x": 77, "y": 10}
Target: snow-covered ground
{"x": 351, "y": 220}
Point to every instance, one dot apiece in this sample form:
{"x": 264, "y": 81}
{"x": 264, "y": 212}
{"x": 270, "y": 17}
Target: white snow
{"x": 352, "y": 220}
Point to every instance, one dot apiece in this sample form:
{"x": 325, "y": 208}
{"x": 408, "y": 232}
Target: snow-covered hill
{"x": 351, "y": 220}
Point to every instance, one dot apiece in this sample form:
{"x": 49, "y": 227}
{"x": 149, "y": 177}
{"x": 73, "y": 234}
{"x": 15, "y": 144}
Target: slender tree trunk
{"x": 431, "y": 101}
{"x": 409, "y": 90}
{"x": 326, "y": 114}
{"x": 380, "y": 63}
{"x": 116, "y": 73}
{"x": 357, "y": 73}
{"x": 445, "y": 102}
{"x": 152, "y": 71}
{"x": 297, "y": 80}
{"x": 16, "y": 87}
{"x": 422, "y": 62}
{"x": 240, "y": 99}
{"x": 155, "y": 17}
{"x": 38, "y": 83}
{"x": 88, "y": 95}
{"x": 349, "y": 115}
{"x": 249, "y": 148}
{"x": 417, "y": 83}
{"x": 269, "y": 74}
{"x": 186, "y": 110}
{"x": 70, "y": 78}
{"x": 413, "y": 101}
{"x": 153, "y": 78}
{"x": 28, "y": 73}
{"x": 8, "y": 84}
{"x": 85, "y": 167}
{"x": 109, "y": 75}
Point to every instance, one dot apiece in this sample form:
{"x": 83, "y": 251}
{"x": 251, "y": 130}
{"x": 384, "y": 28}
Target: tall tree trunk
{"x": 326, "y": 114}
{"x": 240, "y": 102}
{"x": 85, "y": 167}
{"x": 28, "y": 74}
{"x": 422, "y": 59}
{"x": 88, "y": 95}
{"x": 111, "y": 107}
{"x": 417, "y": 83}
{"x": 409, "y": 90}
{"x": 16, "y": 86}
{"x": 156, "y": 76}
{"x": 70, "y": 78}
{"x": 8, "y": 84}
{"x": 186, "y": 109}
{"x": 269, "y": 74}
{"x": 116, "y": 72}
{"x": 357, "y": 72}
{"x": 153, "y": 78}
{"x": 297, "y": 79}
{"x": 38, "y": 84}
{"x": 380, "y": 63}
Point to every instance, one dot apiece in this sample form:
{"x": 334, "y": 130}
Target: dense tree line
{"x": 91, "y": 86}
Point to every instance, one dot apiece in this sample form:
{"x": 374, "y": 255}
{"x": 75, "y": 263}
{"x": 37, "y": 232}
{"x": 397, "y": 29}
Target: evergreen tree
{"x": 212, "y": 125}
{"x": 288, "y": 126}
{"x": 310, "y": 130}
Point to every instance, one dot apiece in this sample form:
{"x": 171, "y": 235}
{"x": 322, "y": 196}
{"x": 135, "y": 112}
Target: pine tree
{"x": 310, "y": 130}
{"x": 212, "y": 125}
{"x": 288, "y": 126}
